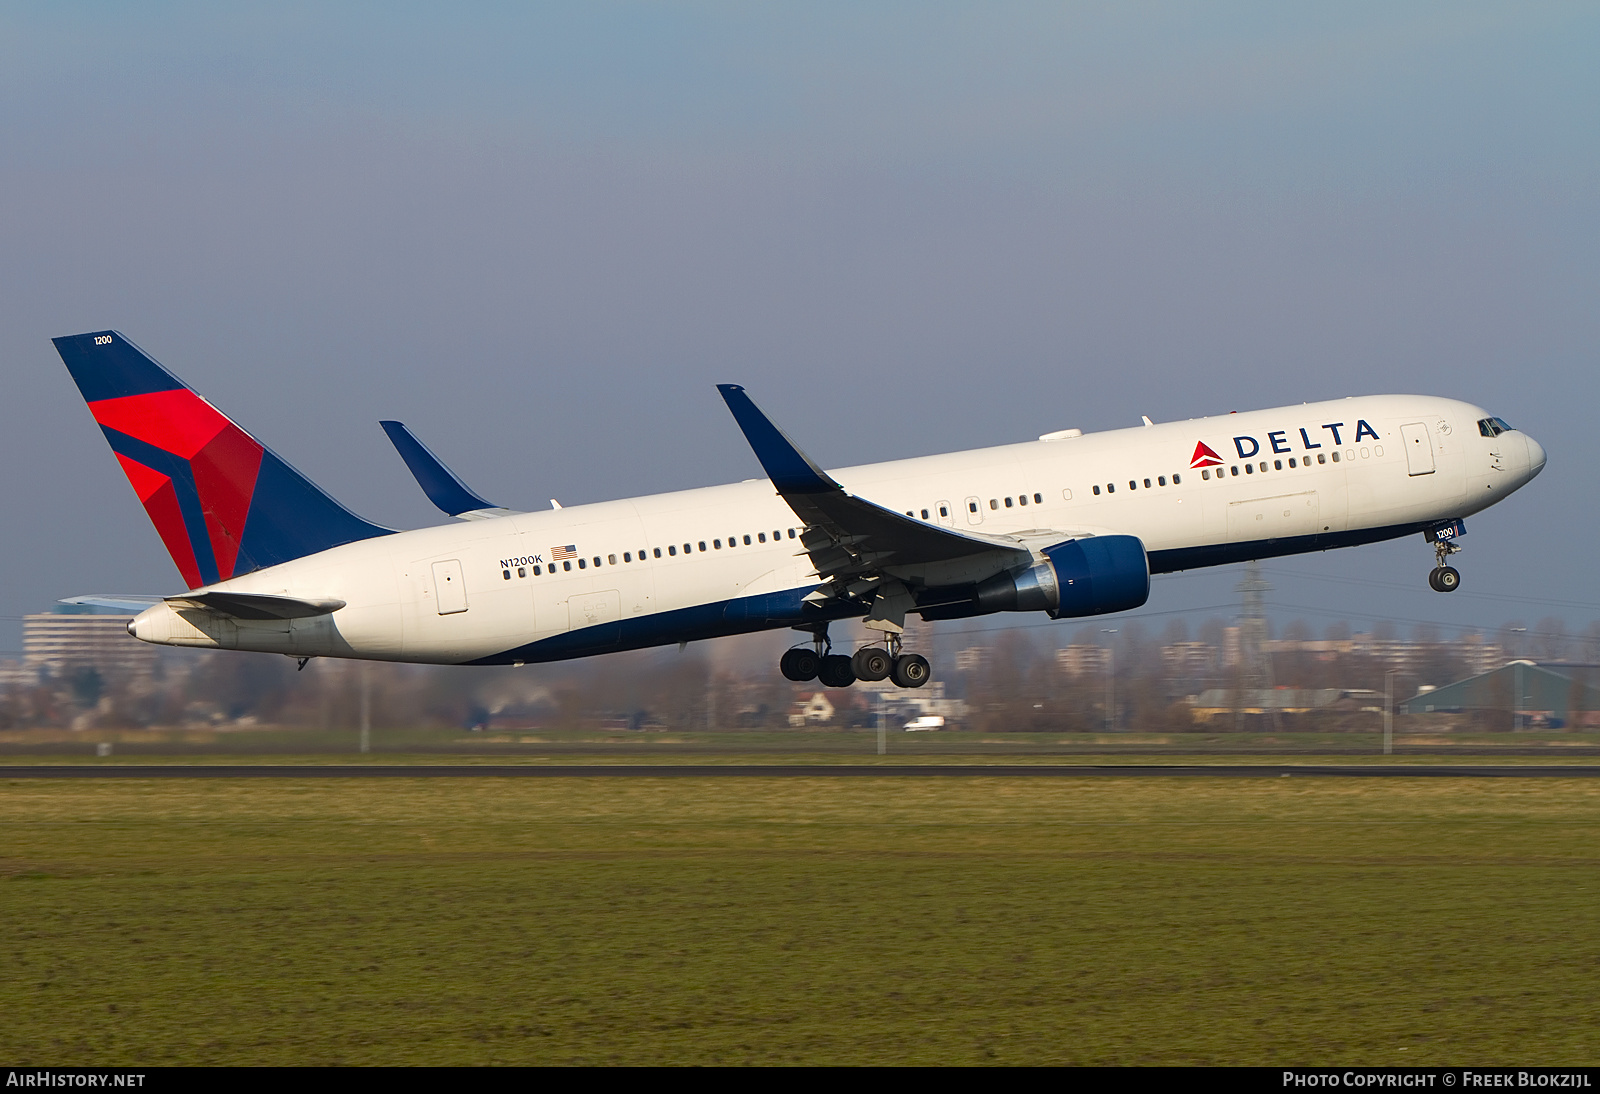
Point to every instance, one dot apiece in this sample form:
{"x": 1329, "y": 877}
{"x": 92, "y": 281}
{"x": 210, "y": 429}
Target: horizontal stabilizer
{"x": 442, "y": 485}
{"x": 128, "y": 603}
{"x": 255, "y": 605}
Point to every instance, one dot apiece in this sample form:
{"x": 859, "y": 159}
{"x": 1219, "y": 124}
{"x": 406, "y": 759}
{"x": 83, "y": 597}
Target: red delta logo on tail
{"x": 1204, "y": 456}
{"x": 221, "y": 457}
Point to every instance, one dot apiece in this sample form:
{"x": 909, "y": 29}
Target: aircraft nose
{"x": 1535, "y": 456}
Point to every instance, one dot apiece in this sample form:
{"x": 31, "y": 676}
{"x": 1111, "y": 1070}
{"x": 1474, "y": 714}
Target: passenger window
{"x": 1111, "y": 488}
{"x": 924, "y": 514}
{"x": 582, "y": 564}
{"x": 717, "y": 543}
{"x": 522, "y": 571}
{"x": 944, "y": 510}
{"x": 1161, "y": 480}
{"x": 1206, "y": 475}
{"x": 1038, "y": 499}
{"x": 627, "y": 556}
{"x": 1176, "y": 480}
{"x": 1291, "y": 462}
{"x": 1022, "y": 500}
{"x": 1008, "y": 503}
{"x": 747, "y": 541}
{"x": 507, "y": 574}
{"x": 993, "y": 504}
{"x": 1066, "y": 495}
{"x": 611, "y": 560}
{"x": 1336, "y": 457}
{"x": 1249, "y": 469}
{"x": 1234, "y": 470}
{"x": 1263, "y": 467}
{"x": 537, "y": 571}
{"x": 762, "y": 537}
{"x": 657, "y": 552}
{"x": 1147, "y": 484}
{"x": 702, "y": 546}
{"x": 1097, "y": 491}
{"x": 672, "y": 550}
{"x": 566, "y": 565}
{"x": 791, "y": 533}
{"x": 1321, "y": 458}
{"x": 972, "y": 507}
{"x": 596, "y": 562}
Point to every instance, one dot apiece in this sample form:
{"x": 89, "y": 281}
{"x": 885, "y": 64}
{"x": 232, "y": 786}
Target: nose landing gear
{"x": 1444, "y": 579}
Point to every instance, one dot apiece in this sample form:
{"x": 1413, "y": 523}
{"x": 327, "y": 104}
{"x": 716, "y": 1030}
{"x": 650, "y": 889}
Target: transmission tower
{"x": 1255, "y": 664}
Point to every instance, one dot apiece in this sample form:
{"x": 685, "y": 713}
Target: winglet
{"x": 441, "y": 485}
{"x": 791, "y": 470}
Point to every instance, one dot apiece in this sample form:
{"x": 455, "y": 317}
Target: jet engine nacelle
{"x": 1091, "y": 576}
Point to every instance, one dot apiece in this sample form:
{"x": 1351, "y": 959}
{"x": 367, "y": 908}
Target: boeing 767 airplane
{"x": 1071, "y": 525}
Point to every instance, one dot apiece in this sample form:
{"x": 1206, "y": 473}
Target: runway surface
{"x": 771, "y": 771}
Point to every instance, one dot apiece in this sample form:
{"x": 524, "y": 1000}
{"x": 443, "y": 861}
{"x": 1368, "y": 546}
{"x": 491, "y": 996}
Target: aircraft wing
{"x": 852, "y": 541}
{"x": 443, "y": 487}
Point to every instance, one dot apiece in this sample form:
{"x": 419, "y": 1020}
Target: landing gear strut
{"x": 1444, "y": 579}
{"x": 872, "y": 663}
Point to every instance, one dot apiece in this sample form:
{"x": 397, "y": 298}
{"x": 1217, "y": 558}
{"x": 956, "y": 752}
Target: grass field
{"x": 684, "y": 920}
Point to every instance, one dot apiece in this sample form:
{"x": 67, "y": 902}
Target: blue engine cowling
{"x": 1090, "y": 576}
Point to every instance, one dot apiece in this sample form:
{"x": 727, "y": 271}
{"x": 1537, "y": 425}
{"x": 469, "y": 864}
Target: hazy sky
{"x": 539, "y": 235}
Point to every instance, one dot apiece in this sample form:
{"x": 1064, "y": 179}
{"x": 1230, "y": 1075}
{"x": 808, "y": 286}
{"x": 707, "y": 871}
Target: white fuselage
{"x": 662, "y": 568}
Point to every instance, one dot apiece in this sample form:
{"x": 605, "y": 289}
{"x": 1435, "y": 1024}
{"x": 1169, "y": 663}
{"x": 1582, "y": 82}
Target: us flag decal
{"x": 571, "y": 551}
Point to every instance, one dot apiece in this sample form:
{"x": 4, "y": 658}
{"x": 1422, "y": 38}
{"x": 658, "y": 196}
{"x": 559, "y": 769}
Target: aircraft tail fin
{"x": 223, "y": 503}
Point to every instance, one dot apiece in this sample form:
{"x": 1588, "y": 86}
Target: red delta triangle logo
{"x": 1204, "y": 456}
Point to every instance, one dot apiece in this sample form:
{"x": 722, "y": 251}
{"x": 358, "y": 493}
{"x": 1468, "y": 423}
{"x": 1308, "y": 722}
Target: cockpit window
{"x": 1493, "y": 427}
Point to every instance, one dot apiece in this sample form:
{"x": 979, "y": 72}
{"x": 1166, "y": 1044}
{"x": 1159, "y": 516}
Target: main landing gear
{"x": 1444, "y": 579}
{"x": 835, "y": 670}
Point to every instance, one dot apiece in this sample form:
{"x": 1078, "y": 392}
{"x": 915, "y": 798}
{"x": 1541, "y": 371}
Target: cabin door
{"x": 449, "y": 589}
{"x": 1419, "y": 449}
